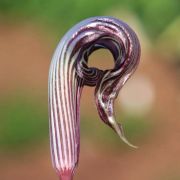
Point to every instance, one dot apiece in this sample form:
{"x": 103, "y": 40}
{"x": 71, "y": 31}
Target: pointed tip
{"x": 119, "y": 130}
{"x": 124, "y": 139}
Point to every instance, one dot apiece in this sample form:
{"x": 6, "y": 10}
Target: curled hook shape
{"x": 69, "y": 73}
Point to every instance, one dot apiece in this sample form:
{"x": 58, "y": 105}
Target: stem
{"x": 66, "y": 177}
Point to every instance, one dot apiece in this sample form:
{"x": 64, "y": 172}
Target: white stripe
{"x": 62, "y": 78}
{"x": 53, "y": 121}
{"x": 56, "y": 70}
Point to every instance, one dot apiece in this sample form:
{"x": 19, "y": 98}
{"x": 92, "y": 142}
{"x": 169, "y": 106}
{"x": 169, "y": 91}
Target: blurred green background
{"x": 148, "y": 106}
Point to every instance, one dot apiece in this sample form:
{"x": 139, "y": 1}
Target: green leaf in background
{"x": 23, "y": 122}
{"x": 155, "y": 15}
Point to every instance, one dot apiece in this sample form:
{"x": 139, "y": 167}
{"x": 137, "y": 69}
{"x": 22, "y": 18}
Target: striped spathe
{"x": 69, "y": 72}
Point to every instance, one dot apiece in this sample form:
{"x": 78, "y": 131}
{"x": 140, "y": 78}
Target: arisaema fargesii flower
{"x": 69, "y": 73}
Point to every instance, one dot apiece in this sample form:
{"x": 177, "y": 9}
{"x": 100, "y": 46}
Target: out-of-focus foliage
{"x": 61, "y": 14}
{"x": 155, "y": 15}
{"x": 169, "y": 41}
{"x": 23, "y": 121}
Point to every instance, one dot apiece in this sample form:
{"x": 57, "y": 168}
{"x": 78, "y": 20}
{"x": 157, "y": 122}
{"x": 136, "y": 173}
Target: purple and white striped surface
{"x": 69, "y": 72}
